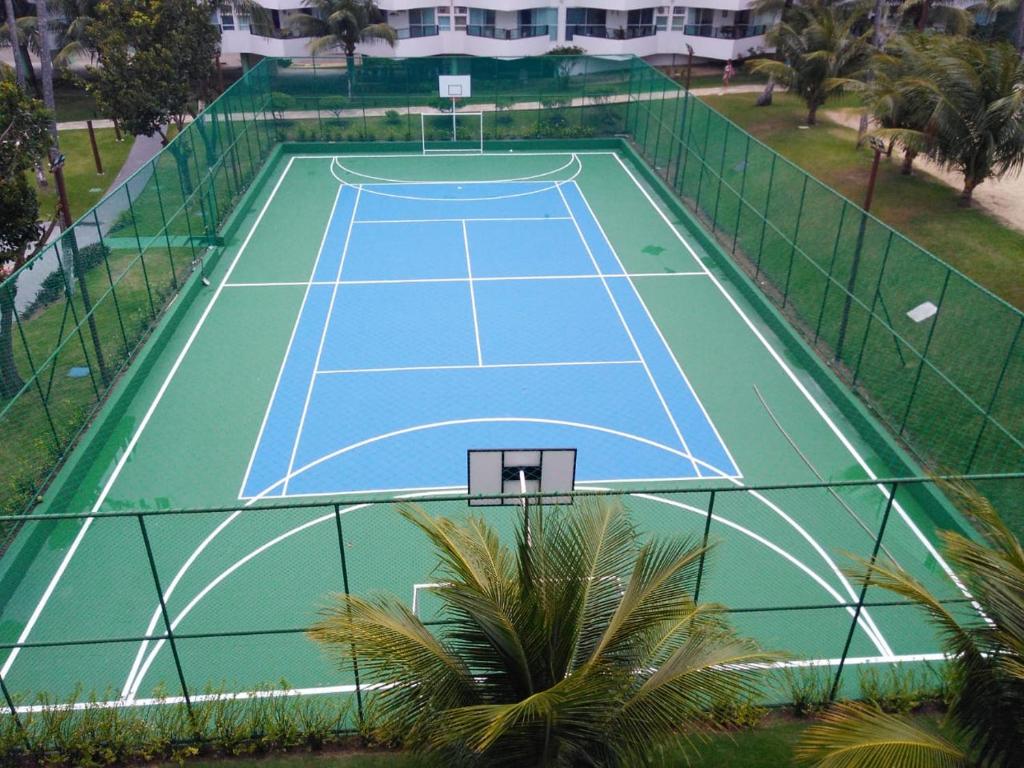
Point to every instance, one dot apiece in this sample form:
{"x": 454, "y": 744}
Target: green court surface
{"x": 187, "y": 427}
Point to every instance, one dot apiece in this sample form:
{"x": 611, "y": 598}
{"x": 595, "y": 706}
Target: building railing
{"x": 516, "y": 33}
{"x": 609, "y": 33}
{"x": 725, "y": 32}
{"x": 418, "y": 30}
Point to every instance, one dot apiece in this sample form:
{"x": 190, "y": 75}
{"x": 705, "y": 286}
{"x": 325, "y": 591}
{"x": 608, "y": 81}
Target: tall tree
{"x": 581, "y": 645}
{"x": 343, "y": 24}
{"x": 984, "y": 724}
{"x": 822, "y": 47}
{"x": 157, "y": 61}
{"x": 973, "y": 93}
{"x": 12, "y": 36}
{"x": 24, "y": 141}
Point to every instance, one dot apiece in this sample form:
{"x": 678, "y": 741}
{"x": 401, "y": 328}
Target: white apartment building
{"x": 717, "y": 29}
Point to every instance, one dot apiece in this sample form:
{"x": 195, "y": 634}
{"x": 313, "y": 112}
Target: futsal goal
{"x": 452, "y": 132}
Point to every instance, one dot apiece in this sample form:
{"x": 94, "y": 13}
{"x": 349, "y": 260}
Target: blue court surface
{"x": 442, "y": 317}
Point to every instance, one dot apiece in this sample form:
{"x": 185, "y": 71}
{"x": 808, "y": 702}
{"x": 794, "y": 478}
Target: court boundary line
{"x": 485, "y": 153}
{"x": 661, "y": 336}
{"x": 538, "y": 191}
{"x": 297, "y": 283}
{"x": 78, "y": 706}
{"x": 463, "y": 218}
{"x": 472, "y": 295}
{"x": 629, "y": 331}
{"x": 129, "y": 449}
{"x": 291, "y": 340}
{"x": 323, "y": 334}
{"x": 469, "y": 367}
{"x": 843, "y": 439}
{"x": 336, "y": 160}
{"x": 132, "y": 685}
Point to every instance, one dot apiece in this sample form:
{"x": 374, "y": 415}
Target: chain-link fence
{"x": 179, "y": 619}
{"x": 939, "y": 359}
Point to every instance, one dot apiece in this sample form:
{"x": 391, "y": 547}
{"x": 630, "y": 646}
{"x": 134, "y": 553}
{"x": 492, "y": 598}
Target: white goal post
{"x": 444, "y": 132}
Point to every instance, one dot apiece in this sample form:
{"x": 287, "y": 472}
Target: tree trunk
{"x": 12, "y": 32}
{"x": 46, "y": 65}
{"x": 908, "y": 161}
{"x": 765, "y": 99}
{"x": 10, "y": 380}
{"x": 967, "y": 196}
{"x": 30, "y": 72}
{"x": 812, "y": 115}
{"x": 862, "y": 128}
{"x": 922, "y": 20}
{"x": 350, "y": 69}
{"x": 1019, "y": 35}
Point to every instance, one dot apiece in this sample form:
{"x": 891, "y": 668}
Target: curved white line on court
{"x": 138, "y": 673}
{"x": 553, "y": 186}
{"x": 337, "y": 161}
{"x": 505, "y": 420}
{"x": 865, "y": 626}
{"x": 883, "y": 646}
{"x": 132, "y": 689}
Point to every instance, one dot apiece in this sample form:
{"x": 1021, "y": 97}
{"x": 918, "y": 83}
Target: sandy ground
{"x": 1003, "y": 198}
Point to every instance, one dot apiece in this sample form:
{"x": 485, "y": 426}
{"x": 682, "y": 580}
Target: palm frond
{"x": 858, "y": 736}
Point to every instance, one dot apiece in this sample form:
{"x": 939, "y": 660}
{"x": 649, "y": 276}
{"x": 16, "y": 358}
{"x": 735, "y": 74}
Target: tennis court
{"x": 375, "y": 317}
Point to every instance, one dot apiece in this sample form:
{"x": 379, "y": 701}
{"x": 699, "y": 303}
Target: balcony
{"x": 605, "y": 32}
{"x": 519, "y": 33}
{"x": 725, "y": 32}
{"x": 418, "y": 30}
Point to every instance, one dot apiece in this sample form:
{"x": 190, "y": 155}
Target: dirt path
{"x": 1003, "y": 198}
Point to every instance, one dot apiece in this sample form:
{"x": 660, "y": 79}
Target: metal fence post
{"x": 163, "y": 612}
{"x": 796, "y": 237}
{"x": 863, "y": 590}
{"x": 741, "y": 200}
{"x": 721, "y": 181}
{"x": 831, "y": 267}
{"x": 12, "y": 707}
{"x": 871, "y": 314}
{"x": 995, "y": 395}
{"x": 344, "y": 581}
{"x": 924, "y": 353}
{"x": 704, "y": 545}
{"x": 764, "y": 218}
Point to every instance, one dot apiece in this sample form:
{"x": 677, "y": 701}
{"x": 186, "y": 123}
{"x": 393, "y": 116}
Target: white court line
{"x": 399, "y": 156}
{"x": 539, "y": 191}
{"x": 568, "y": 363}
{"x": 135, "y": 681}
{"x": 477, "y": 279}
{"x": 481, "y": 218}
{"x": 323, "y": 338}
{"x": 34, "y": 617}
{"x": 521, "y": 179}
{"x": 807, "y": 395}
{"x": 650, "y": 317}
{"x": 327, "y": 690}
{"x": 472, "y": 294}
{"x": 629, "y": 333}
{"x": 291, "y": 340}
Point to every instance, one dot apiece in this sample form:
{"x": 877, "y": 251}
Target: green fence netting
{"x": 949, "y": 383}
{"x": 949, "y": 387}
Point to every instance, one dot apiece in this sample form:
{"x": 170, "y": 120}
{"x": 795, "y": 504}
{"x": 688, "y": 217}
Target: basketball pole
{"x": 455, "y": 134}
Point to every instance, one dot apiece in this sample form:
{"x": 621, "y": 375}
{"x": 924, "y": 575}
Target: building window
{"x": 661, "y": 23}
{"x": 227, "y": 18}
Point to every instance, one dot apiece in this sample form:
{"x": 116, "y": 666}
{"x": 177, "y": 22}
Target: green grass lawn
{"x": 924, "y": 210}
{"x": 85, "y": 186}
{"x": 73, "y": 102}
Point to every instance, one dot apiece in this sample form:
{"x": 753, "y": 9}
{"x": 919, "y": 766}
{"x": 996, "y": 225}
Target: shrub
{"x": 392, "y": 117}
{"x": 280, "y": 103}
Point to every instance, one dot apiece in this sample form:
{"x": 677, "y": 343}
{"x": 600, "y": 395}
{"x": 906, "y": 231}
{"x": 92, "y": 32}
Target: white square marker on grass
{"x": 922, "y": 312}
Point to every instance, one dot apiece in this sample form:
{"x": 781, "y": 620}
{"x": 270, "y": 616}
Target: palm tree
{"x": 344, "y": 24}
{"x": 984, "y": 725}
{"x": 579, "y": 646}
{"x": 974, "y": 94}
{"x": 821, "y": 51}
